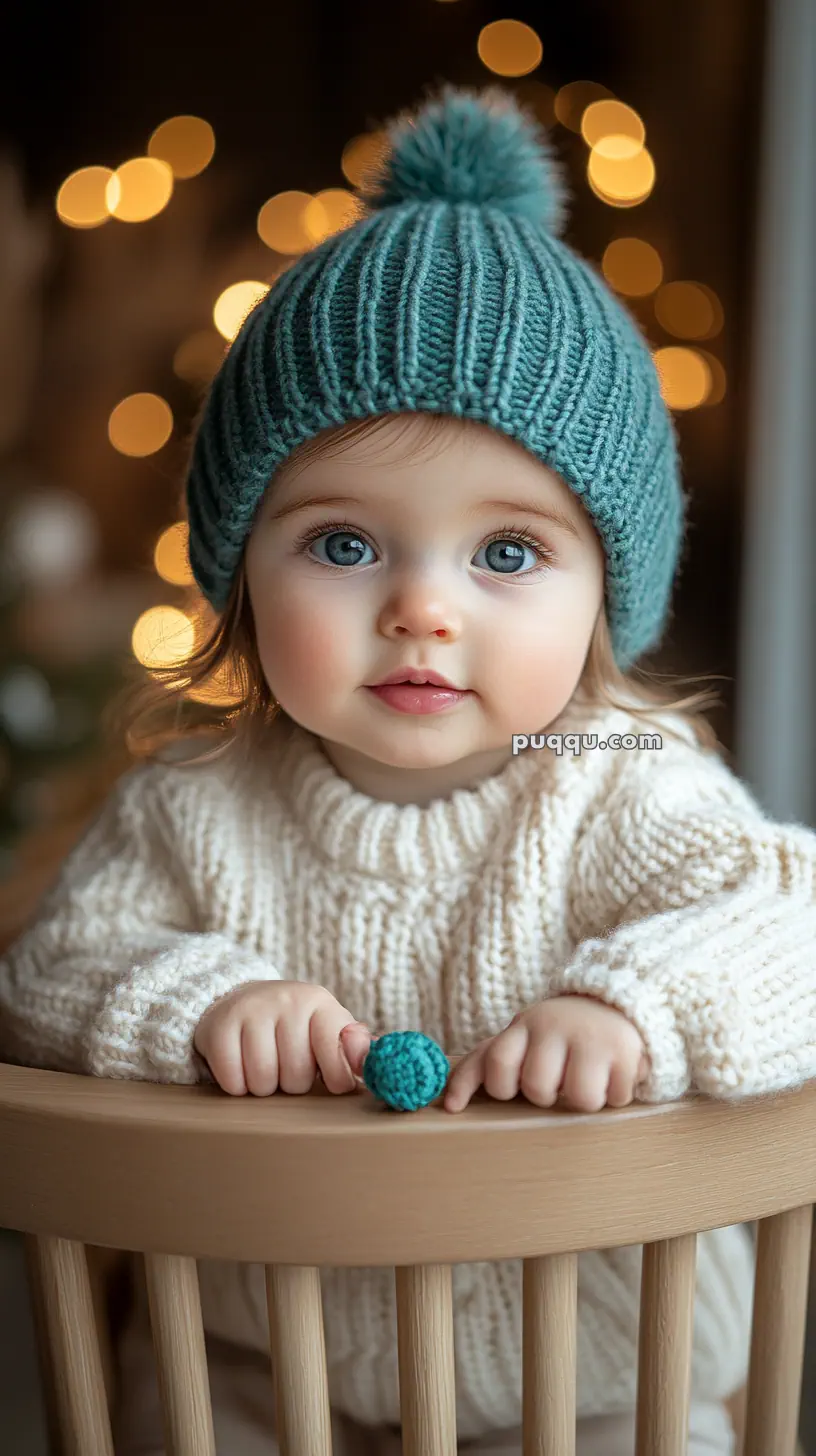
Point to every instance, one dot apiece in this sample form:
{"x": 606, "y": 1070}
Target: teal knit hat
{"x": 453, "y": 294}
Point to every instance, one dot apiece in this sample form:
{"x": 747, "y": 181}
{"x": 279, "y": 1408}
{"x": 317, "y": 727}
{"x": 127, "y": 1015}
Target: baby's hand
{"x": 275, "y": 1034}
{"x": 575, "y": 1045}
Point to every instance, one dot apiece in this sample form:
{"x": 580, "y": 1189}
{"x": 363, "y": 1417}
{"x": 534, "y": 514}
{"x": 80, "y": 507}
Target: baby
{"x": 434, "y": 502}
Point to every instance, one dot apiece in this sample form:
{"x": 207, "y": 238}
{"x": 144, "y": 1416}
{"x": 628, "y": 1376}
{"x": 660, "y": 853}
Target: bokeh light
{"x": 199, "y": 357}
{"x": 603, "y": 120}
{"x": 140, "y": 425}
{"x": 171, "y": 555}
{"x": 718, "y": 379}
{"x": 363, "y": 155}
{"x": 685, "y": 377}
{"x": 621, "y": 181}
{"x": 281, "y": 222}
{"x": 329, "y": 212}
{"x": 235, "y": 304}
{"x": 139, "y": 189}
{"x": 163, "y": 637}
{"x": 572, "y": 100}
{"x": 82, "y": 198}
{"x": 689, "y": 310}
{"x": 185, "y": 143}
{"x": 632, "y": 267}
{"x": 509, "y": 48}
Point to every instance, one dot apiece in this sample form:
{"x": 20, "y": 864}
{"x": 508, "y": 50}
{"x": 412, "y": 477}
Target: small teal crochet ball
{"x": 406, "y": 1070}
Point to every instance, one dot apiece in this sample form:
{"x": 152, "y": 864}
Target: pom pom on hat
{"x": 406, "y": 1070}
{"x": 477, "y": 147}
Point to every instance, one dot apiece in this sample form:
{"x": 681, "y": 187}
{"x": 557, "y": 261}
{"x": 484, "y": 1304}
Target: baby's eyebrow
{"x": 552, "y": 514}
{"x": 532, "y": 508}
{"x": 313, "y": 500}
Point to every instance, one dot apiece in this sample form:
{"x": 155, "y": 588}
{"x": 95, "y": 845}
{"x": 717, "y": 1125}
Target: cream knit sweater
{"x": 648, "y": 877}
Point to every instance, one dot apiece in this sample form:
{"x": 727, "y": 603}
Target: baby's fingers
{"x": 465, "y": 1079}
{"x": 336, "y": 1057}
{"x": 626, "y": 1073}
{"x": 586, "y": 1079}
{"x": 259, "y": 1056}
{"x": 543, "y": 1069}
{"x": 222, "y": 1053}
{"x": 355, "y": 1043}
{"x": 504, "y": 1061}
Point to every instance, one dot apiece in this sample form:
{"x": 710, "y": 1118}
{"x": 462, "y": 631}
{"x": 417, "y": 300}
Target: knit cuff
{"x": 147, "y": 1022}
{"x": 645, "y": 1004}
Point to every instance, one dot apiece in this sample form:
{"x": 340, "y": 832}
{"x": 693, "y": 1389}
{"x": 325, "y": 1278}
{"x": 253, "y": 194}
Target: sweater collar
{"x": 406, "y": 842}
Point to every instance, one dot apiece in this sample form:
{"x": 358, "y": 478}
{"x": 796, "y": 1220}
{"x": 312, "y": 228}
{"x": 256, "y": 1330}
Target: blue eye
{"x": 345, "y": 547}
{"x": 505, "y": 554}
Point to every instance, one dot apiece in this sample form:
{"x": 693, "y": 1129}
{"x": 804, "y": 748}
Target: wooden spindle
{"x": 181, "y": 1358}
{"x": 426, "y": 1366}
{"x": 59, "y": 1271}
{"x": 550, "y": 1305}
{"x": 778, "y": 1335}
{"x": 664, "y": 1358}
{"x": 298, "y": 1350}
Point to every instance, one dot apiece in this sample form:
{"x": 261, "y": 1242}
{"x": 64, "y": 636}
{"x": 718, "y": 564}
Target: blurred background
{"x": 160, "y": 167}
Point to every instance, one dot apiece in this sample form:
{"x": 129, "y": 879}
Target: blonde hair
{"x": 158, "y": 706}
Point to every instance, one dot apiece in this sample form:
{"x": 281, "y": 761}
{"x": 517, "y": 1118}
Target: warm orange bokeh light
{"x": 362, "y": 155}
{"x": 139, "y": 189}
{"x": 140, "y": 425}
{"x": 689, "y": 310}
{"x": 573, "y": 99}
{"x": 185, "y": 143}
{"x": 718, "y": 379}
{"x": 171, "y": 555}
{"x": 621, "y": 181}
{"x": 81, "y": 200}
{"x": 509, "y": 48}
{"x": 604, "y": 119}
{"x": 685, "y": 377}
{"x": 632, "y": 267}
{"x": 163, "y": 637}
{"x": 329, "y": 212}
{"x": 281, "y": 222}
{"x": 234, "y": 305}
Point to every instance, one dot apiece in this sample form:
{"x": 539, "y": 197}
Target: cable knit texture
{"x": 650, "y": 878}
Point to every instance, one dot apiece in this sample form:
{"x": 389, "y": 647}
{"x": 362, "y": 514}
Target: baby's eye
{"x": 505, "y": 554}
{"x": 344, "y": 546}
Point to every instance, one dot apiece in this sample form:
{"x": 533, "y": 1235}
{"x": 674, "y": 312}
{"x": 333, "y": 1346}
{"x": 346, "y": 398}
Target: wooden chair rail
{"x": 512, "y": 1182}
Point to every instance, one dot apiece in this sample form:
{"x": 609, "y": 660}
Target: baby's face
{"x": 410, "y": 566}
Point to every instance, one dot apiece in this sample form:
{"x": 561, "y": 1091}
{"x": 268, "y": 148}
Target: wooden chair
{"x": 127, "y": 1165}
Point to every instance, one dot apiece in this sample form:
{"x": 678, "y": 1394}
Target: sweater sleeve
{"x": 700, "y": 925}
{"x": 112, "y": 976}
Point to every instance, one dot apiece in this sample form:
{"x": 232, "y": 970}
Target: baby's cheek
{"x": 300, "y": 648}
{"x": 541, "y": 668}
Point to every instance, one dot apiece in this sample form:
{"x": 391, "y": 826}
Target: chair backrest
{"x": 180, "y": 1173}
